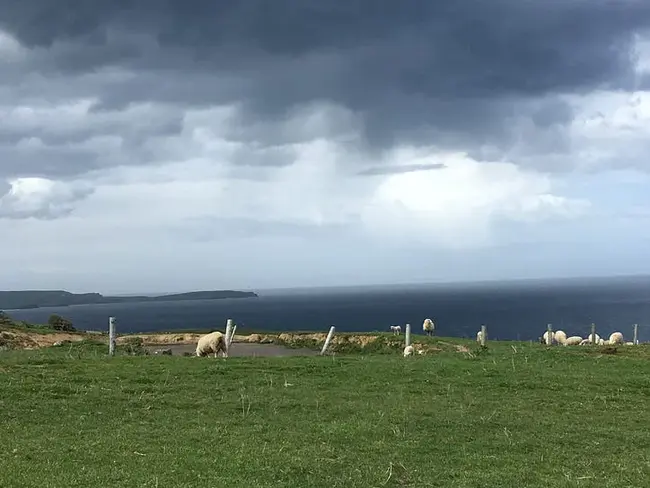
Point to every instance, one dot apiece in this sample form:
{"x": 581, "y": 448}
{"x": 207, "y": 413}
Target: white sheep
{"x": 214, "y": 342}
{"x": 590, "y": 338}
{"x": 479, "y": 336}
{"x": 408, "y": 351}
{"x": 630, "y": 343}
{"x": 428, "y": 326}
{"x": 573, "y": 341}
{"x": 545, "y": 338}
{"x": 616, "y": 338}
{"x": 560, "y": 336}
{"x": 397, "y": 329}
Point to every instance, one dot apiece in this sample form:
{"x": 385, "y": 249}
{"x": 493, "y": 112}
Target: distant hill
{"x": 58, "y": 298}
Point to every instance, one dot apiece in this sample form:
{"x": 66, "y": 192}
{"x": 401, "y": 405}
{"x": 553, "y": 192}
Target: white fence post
{"x": 635, "y": 340}
{"x": 483, "y": 335}
{"x": 111, "y": 336}
{"x": 549, "y": 335}
{"x": 228, "y": 333}
{"x": 593, "y": 334}
{"x": 408, "y": 335}
{"x": 330, "y": 334}
{"x": 232, "y": 334}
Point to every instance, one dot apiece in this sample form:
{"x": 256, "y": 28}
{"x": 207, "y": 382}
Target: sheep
{"x": 428, "y": 326}
{"x": 590, "y": 337}
{"x": 214, "y": 342}
{"x": 545, "y": 338}
{"x": 630, "y": 343}
{"x": 408, "y": 351}
{"x": 397, "y": 329}
{"x": 560, "y": 336}
{"x": 616, "y": 338}
{"x": 479, "y": 336}
{"x": 573, "y": 341}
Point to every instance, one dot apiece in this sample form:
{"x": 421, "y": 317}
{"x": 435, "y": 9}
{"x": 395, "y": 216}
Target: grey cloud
{"x": 406, "y": 168}
{"x": 215, "y": 229}
{"x": 454, "y": 73}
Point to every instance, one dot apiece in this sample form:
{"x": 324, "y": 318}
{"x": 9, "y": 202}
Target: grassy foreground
{"x": 519, "y": 416}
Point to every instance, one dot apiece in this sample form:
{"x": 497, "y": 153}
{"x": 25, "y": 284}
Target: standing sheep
{"x": 214, "y": 342}
{"x": 560, "y": 336}
{"x": 397, "y": 329}
{"x": 479, "y": 336}
{"x": 428, "y": 326}
{"x": 616, "y": 338}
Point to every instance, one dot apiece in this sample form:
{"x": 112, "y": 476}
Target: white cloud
{"x": 457, "y": 206}
{"x": 40, "y": 198}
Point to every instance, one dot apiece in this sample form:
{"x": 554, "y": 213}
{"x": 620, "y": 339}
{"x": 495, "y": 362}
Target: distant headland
{"x": 28, "y": 299}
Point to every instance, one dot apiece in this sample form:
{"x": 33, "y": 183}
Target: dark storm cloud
{"x": 448, "y": 72}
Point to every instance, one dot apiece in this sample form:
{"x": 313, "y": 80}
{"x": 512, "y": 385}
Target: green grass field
{"x": 505, "y": 417}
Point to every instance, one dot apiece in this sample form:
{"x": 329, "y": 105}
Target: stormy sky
{"x": 168, "y": 145}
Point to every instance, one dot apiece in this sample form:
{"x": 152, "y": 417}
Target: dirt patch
{"x": 161, "y": 339}
{"x": 17, "y": 339}
{"x": 240, "y": 349}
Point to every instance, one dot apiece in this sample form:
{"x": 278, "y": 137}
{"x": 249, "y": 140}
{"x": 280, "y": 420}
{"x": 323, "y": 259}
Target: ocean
{"x": 518, "y": 310}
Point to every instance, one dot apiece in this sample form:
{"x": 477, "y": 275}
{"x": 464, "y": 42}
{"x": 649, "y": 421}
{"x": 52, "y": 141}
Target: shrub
{"x": 59, "y": 323}
{"x": 134, "y": 346}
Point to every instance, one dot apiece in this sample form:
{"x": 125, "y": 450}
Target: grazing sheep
{"x": 545, "y": 338}
{"x": 590, "y": 337}
{"x": 629, "y": 343}
{"x": 616, "y": 338}
{"x": 397, "y": 329}
{"x": 560, "y": 336}
{"x": 214, "y": 342}
{"x": 428, "y": 326}
{"x": 573, "y": 341}
{"x": 408, "y": 351}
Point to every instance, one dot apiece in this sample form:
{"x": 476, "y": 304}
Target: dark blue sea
{"x": 511, "y": 310}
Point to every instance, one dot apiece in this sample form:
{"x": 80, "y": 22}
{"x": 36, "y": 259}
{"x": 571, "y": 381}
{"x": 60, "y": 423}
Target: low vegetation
{"x": 511, "y": 415}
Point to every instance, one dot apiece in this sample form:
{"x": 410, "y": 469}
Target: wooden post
{"x": 111, "y": 336}
{"x": 483, "y": 335}
{"x": 228, "y": 332}
{"x": 635, "y": 340}
{"x": 593, "y": 334}
{"x": 330, "y": 334}
{"x": 549, "y": 335}
{"x": 407, "y": 335}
